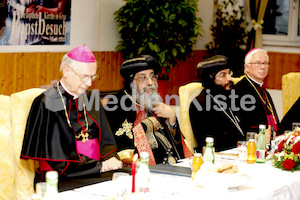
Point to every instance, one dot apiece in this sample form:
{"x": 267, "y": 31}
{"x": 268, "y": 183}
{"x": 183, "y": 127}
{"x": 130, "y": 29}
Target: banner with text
{"x": 35, "y": 22}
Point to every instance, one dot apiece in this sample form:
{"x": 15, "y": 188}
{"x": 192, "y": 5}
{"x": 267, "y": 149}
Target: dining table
{"x": 258, "y": 181}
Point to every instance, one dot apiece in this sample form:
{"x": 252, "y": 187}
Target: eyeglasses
{"x": 85, "y": 77}
{"x": 142, "y": 79}
{"x": 258, "y": 64}
{"x": 224, "y": 74}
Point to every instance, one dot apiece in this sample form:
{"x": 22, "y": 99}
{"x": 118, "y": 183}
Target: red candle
{"x": 133, "y": 169}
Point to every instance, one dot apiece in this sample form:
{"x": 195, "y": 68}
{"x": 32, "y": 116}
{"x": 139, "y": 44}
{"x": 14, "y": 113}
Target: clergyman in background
{"x": 256, "y": 69}
{"x": 210, "y": 113}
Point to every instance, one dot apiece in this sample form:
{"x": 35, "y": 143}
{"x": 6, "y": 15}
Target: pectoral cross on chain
{"x": 84, "y": 135}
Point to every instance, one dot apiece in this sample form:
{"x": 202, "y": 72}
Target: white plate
{"x": 243, "y": 179}
{"x": 212, "y": 181}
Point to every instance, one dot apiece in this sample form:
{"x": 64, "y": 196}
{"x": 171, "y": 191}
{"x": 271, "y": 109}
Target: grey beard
{"x": 147, "y": 100}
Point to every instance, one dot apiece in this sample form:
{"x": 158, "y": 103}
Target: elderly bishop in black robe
{"x": 67, "y": 130}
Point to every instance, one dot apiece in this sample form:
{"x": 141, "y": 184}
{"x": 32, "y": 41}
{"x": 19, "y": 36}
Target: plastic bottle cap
{"x": 51, "y": 174}
{"x": 262, "y": 126}
{"x": 197, "y": 154}
{"x": 144, "y": 154}
{"x": 209, "y": 139}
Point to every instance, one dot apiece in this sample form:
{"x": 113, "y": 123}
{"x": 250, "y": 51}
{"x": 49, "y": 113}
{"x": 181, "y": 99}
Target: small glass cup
{"x": 122, "y": 183}
{"x": 242, "y": 149}
{"x": 295, "y": 125}
{"x": 40, "y": 188}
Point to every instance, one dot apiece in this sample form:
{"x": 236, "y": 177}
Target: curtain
{"x": 3, "y": 13}
{"x": 256, "y": 10}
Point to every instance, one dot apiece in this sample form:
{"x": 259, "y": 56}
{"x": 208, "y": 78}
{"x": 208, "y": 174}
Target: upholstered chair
{"x": 235, "y": 80}
{"x": 24, "y": 169}
{"x": 290, "y": 90}
{"x": 7, "y": 172}
{"x": 186, "y": 95}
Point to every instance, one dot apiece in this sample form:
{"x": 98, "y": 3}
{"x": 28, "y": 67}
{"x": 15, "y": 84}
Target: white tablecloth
{"x": 266, "y": 182}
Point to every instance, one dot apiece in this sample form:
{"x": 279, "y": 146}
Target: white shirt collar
{"x": 260, "y": 84}
{"x": 75, "y": 96}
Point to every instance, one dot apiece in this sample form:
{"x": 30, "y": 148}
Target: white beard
{"x": 146, "y": 99}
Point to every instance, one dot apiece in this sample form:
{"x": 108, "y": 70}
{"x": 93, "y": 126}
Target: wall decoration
{"x": 35, "y": 22}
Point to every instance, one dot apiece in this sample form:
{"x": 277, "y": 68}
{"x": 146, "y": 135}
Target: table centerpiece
{"x": 287, "y": 154}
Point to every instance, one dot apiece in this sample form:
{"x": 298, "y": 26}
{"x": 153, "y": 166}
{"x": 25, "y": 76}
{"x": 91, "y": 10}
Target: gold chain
{"x": 267, "y": 104}
{"x": 84, "y": 134}
{"x": 134, "y": 101}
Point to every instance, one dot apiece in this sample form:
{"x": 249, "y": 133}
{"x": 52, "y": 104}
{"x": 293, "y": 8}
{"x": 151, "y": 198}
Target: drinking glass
{"x": 40, "y": 188}
{"x": 295, "y": 125}
{"x": 122, "y": 183}
{"x": 242, "y": 149}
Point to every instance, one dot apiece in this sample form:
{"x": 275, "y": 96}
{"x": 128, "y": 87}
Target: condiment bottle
{"x": 142, "y": 178}
{"x": 196, "y": 164}
{"x": 261, "y": 145}
{"x": 251, "y": 148}
{"x": 209, "y": 155}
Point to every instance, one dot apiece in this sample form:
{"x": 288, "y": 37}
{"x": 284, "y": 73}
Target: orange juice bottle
{"x": 251, "y": 148}
{"x": 196, "y": 164}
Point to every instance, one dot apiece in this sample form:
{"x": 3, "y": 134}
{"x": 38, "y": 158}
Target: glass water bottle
{"x": 261, "y": 145}
{"x": 51, "y": 192}
{"x": 143, "y": 174}
{"x": 209, "y": 155}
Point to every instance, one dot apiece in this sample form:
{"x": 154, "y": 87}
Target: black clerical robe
{"x": 49, "y": 139}
{"x": 208, "y": 120}
{"x": 124, "y": 115}
{"x": 259, "y": 115}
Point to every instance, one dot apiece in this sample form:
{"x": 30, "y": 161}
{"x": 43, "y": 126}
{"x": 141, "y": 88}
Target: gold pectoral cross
{"x": 84, "y": 135}
{"x": 126, "y": 128}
